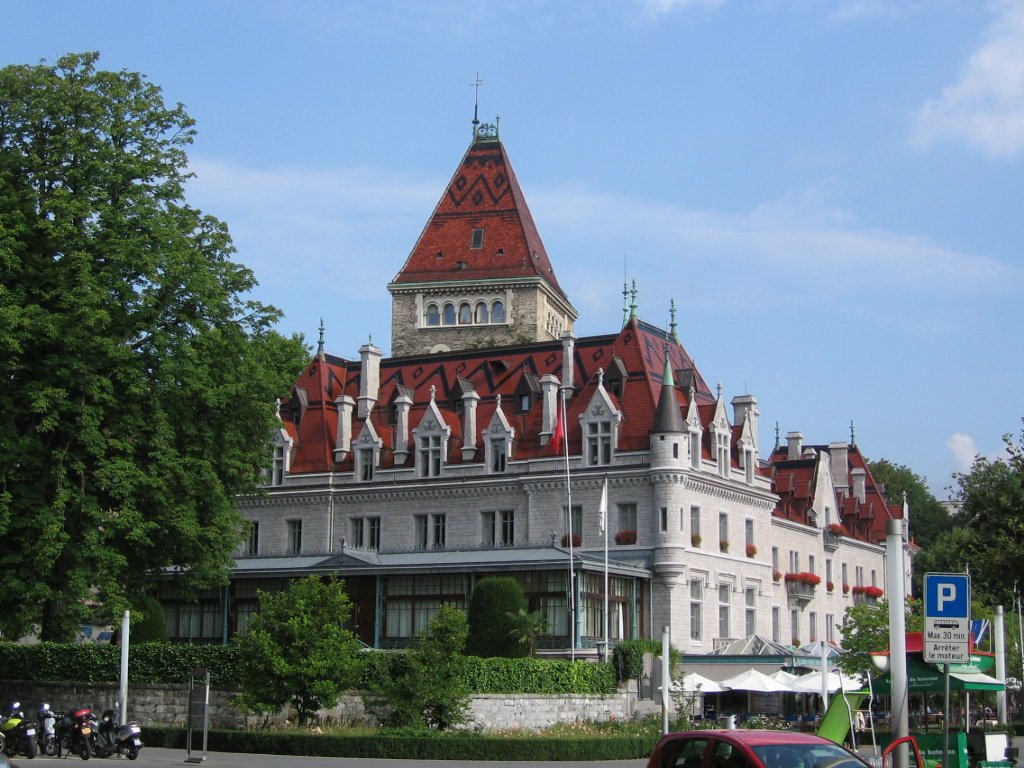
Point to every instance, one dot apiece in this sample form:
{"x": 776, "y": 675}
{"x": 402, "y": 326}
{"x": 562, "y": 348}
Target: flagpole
{"x": 604, "y": 528}
{"x": 568, "y": 494}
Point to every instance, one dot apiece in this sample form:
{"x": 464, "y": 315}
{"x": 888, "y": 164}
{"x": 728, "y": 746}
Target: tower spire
{"x": 672, "y": 324}
{"x": 476, "y": 102}
{"x": 632, "y": 301}
{"x": 320, "y": 341}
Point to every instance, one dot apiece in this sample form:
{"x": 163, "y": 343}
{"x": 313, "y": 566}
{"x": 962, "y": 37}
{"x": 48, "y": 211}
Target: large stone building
{"x": 413, "y": 476}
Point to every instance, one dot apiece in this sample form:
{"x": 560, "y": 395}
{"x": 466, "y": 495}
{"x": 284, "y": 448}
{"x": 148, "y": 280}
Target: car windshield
{"x": 806, "y": 756}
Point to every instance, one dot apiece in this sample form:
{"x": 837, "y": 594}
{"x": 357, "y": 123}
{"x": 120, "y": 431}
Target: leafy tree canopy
{"x": 865, "y": 630}
{"x": 298, "y": 651}
{"x": 929, "y": 517}
{"x": 138, "y": 379}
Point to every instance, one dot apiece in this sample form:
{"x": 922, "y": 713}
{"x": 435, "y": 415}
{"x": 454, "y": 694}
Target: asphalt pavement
{"x": 158, "y": 757}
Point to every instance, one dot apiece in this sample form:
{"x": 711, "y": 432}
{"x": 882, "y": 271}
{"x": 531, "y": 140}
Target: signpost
{"x": 947, "y": 630}
{"x": 947, "y": 618}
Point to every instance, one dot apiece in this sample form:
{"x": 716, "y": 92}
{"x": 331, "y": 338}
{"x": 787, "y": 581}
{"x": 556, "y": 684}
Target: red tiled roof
{"x": 483, "y": 194}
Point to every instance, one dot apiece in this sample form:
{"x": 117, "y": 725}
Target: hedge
{"x": 415, "y": 745}
{"x": 171, "y": 663}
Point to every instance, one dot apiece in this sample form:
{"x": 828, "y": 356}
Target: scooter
{"x": 46, "y": 738}
{"x": 19, "y": 734}
{"x": 110, "y": 738}
{"x": 73, "y": 732}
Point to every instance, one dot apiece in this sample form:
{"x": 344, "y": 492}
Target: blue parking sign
{"x": 947, "y": 595}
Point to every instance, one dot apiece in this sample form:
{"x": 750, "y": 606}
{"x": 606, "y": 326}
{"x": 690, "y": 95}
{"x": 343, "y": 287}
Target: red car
{"x": 750, "y": 749}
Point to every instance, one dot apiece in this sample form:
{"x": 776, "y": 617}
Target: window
{"x": 695, "y": 449}
{"x": 525, "y": 401}
{"x": 480, "y": 315}
{"x": 439, "y": 531}
{"x": 430, "y": 456}
{"x": 722, "y": 452}
{"x": 696, "y": 601}
{"x": 364, "y": 462}
{"x": 812, "y": 627}
{"x": 775, "y": 558}
{"x": 874, "y": 576}
{"x": 748, "y": 530}
{"x": 499, "y": 454}
{"x": 499, "y": 528}
{"x": 627, "y": 516}
{"x": 811, "y": 564}
{"x": 420, "y": 531}
{"x": 846, "y": 579}
{"x": 723, "y": 610}
{"x": 750, "y": 596}
{"x": 432, "y": 315}
{"x": 675, "y": 450}
{"x": 828, "y": 569}
{"x": 776, "y": 621}
{"x": 663, "y": 518}
{"x": 577, "y": 521}
{"x": 465, "y": 314}
{"x": 410, "y": 602}
{"x": 830, "y": 627}
{"x": 252, "y": 545}
{"x": 599, "y": 442}
{"x": 723, "y": 528}
{"x": 695, "y": 524}
{"x": 357, "y": 532}
{"x": 278, "y": 465}
{"x": 448, "y": 314}
{"x": 373, "y": 533}
{"x": 794, "y": 625}
{"x": 477, "y": 240}
{"x": 794, "y": 561}
{"x": 498, "y": 312}
{"x": 294, "y": 537}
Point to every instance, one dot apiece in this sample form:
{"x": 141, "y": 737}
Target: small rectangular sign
{"x": 947, "y": 622}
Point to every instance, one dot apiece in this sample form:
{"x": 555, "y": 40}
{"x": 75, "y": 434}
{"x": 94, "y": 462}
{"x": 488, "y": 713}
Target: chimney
{"x": 403, "y": 404}
{"x": 840, "y": 464}
{"x": 343, "y": 444}
{"x": 470, "y": 399}
{"x": 743, "y": 407}
{"x": 369, "y": 378}
{"x": 549, "y": 397}
{"x": 794, "y": 440}
{"x": 859, "y": 478}
{"x": 568, "y": 350}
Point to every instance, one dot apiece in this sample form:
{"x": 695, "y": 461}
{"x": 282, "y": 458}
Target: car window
{"x": 689, "y": 754}
{"x": 726, "y": 755}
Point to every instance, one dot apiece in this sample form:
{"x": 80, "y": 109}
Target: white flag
{"x": 604, "y": 505}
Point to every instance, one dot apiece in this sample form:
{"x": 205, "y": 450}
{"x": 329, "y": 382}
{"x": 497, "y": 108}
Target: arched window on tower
{"x": 498, "y": 312}
{"x": 465, "y": 314}
{"x": 481, "y": 314}
{"x": 432, "y": 316}
{"x": 449, "y": 314}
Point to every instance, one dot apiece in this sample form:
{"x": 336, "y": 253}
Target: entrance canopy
{"x": 924, "y": 678}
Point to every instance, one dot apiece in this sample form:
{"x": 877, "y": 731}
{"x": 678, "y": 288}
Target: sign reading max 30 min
{"x": 947, "y": 618}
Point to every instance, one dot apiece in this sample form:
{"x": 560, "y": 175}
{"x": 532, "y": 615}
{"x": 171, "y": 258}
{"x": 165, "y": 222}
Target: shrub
{"x": 152, "y": 627}
{"x": 628, "y": 659}
{"x": 493, "y": 608}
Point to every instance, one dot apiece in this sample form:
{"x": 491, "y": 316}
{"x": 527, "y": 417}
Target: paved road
{"x": 156, "y": 757}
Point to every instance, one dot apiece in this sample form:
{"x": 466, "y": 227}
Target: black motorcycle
{"x": 73, "y": 733}
{"x": 46, "y": 724}
{"x": 19, "y": 734}
{"x": 108, "y": 738}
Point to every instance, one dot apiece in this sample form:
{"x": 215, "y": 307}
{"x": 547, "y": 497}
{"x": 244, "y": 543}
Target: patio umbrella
{"x": 694, "y": 683}
{"x": 812, "y": 683}
{"x": 753, "y": 680}
{"x": 784, "y": 677}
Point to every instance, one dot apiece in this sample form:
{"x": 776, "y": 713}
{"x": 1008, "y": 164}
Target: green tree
{"x": 298, "y": 650}
{"x": 528, "y": 626}
{"x": 929, "y": 517}
{"x": 138, "y": 379}
{"x": 427, "y": 687}
{"x": 865, "y": 630}
{"x": 493, "y": 618}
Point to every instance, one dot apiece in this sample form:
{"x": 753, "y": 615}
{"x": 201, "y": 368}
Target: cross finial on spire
{"x": 853, "y": 437}
{"x": 497, "y": 401}
{"x": 433, "y": 392}
{"x": 600, "y": 376}
{"x": 719, "y": 388}
{"x": 777, "y": 441}
{"x": 625, "y": 302}
{"x": 672, "y": 323}
{"x": 632, "y": 301}
{"x": 476, "y": 102}
{"x": 320, "y": 342}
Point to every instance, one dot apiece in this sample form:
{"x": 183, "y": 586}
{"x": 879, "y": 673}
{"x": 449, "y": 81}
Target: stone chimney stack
{"x": 369, "y": 378}
{"x": 840, "y": 465}
{"x": 403, "y": 405}
{"x": 470, "y": 400}
{"x": 550, "y": 397}
{"x": 343, "y": 444}
{"x": 859, "y": 478}
{"x": 795, "y": 442}
{"x": 742, "y": 407}
{"x": 568, "y": 364}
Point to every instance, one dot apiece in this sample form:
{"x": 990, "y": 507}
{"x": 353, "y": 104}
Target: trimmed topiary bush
{"x": 493, "y": 616}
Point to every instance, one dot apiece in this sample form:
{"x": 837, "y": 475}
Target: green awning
{"x": 924, "y": 678}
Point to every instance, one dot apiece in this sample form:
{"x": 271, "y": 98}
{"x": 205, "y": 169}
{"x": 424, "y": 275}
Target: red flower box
{"x": 751, "y": 550}
{"x": 804, "y": 577}
{"x": 838, "y": 529}
{"x": 625, "y": 537}
{"x": 576, "y": 540}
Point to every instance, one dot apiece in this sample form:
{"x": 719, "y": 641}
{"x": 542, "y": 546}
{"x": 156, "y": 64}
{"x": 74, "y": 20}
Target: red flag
{"x": 559, "y": 433}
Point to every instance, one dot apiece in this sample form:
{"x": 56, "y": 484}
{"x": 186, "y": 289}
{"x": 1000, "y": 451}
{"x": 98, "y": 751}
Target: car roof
{"x": 752, "y": 737}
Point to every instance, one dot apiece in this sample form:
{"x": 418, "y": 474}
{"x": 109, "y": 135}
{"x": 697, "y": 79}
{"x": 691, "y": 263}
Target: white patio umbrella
{"x": 695, "y": 683}
{"x": 753, "y": 680}
{"x": 812, "y": 683}
{"x": 784, "y": 677}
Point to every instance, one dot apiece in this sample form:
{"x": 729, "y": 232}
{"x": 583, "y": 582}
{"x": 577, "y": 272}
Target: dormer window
{"x": 600, "y": 424}
{"x": 428, "y": 457}
{"x": 599, "y": 442}
{"x": 477, "y": 240}
{"x": 364, "y": 464}
{"x": 525, "y": 402}
{"x": 280, "y": 457}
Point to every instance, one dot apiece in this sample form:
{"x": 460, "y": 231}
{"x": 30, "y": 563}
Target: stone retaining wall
{"x": 168, "y": 705}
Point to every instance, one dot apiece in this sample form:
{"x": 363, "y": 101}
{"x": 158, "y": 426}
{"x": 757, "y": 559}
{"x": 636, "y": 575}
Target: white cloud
{"x": 985, "y": 106}
{"x": 658, "y": 8}
{"x": 963, "y": 450}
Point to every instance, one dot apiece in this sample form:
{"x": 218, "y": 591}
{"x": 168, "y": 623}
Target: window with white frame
{"x": 364, "y": 462}
{"x": 846, "y": 575}
{"x": 475, "y": 310}
{"x": 252, "y": 544}
{"x": 439, "y": 531}
{"x": 280, "y": 456}
{"x": 811, "y": 564}
{"x": 750, "y": 597}
{"x": 812, "y": 627}
{"x": 828, "y": 569}
{"x": 776, "y": 624}
{"x": 722, "y": 451}
{"x": 724, "y": 591}
{"x": 830, "y": 627}
{"x": 663, "y": 519}
{"x": 695, "y": 448}
{"x": 577, "y": 522}
{"x": 429, "y": 455}
{"x": 599, "y": 442}
{"x": 499, "y": 454}
{"x": 696, "y": 608}
{"x": 695, "y": 524}
{"x": 723, "y": 530}
{"x": 499, "y": 528}
{"x": 627, "y": 516}
{"x": 748, "y": 532}
{"x": 357, "y": 532}
{"x": 794, "y": 625}
{"x": 421, "y": 531}
{"x": 794, "y": 561}
{"x": 373, "y": 533}
{"x": 775, "y": 558}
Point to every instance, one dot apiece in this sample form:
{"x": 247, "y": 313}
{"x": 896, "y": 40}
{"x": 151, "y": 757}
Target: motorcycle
{"x": 19, "y": 734}
{"x": 109, "y": 738}
{"x": 73, "y": 733}
{"x": 46, "y": 739}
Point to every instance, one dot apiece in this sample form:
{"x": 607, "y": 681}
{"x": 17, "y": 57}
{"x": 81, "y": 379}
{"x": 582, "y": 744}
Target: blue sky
{"x": 831, "y": 191}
